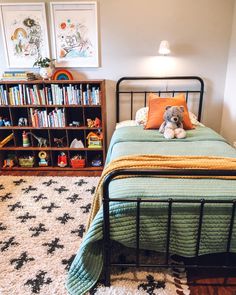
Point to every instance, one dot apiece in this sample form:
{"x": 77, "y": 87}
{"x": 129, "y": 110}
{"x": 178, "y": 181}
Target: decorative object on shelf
{"x": 75, "y": 124}
{"x": 76, "y": 144}
{"x": 75, "y": 34}
{"x": 62, "y": 160}
{"x": 97, "y": 123}
{"x": 95, "y": 139}
{"x": 26, "y": 161}
{"x": 22, "y": 121}
{"x": 59, "y": 141}
{"x": 41, "y": 140}
{"x": 24, "y": 31}
{"x": 9, "y": 161}
{"x": 6, "y": 140}
{"x": 45, "y": 67}
{"x": 43, "y": 162}
{"x": 97, "y": 161}
{"x": 25, "y": 139}
{"x": 77, "y": 161}
{"x": 1, "y": 122}
{"x": 62, "y": 75}
{"x": 6, "y": 122}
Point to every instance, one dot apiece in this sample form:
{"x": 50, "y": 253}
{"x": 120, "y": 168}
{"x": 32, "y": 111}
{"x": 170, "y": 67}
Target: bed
{"x": 188, "y": 211}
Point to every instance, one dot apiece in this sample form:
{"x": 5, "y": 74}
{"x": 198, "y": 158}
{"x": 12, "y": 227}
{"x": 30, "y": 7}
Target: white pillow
{"x": 142, "y": 114}
{"x": 126, "y": 123}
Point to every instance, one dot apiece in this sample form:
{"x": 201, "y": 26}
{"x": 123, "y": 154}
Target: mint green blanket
{"x": 87, "y": 266}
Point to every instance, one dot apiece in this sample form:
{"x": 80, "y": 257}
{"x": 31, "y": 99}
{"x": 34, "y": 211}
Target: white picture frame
{"x": 75, "y": 34}
{"x": 25, "y": 33}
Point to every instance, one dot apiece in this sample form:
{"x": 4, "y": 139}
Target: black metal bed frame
{"x": 162, "y": 173}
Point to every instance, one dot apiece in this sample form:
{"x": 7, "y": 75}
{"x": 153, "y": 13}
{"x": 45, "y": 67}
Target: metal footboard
{"x": 170, "y": 202}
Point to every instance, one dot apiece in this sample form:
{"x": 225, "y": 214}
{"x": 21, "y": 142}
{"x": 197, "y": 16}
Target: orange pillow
{"x": 157, "y": 107}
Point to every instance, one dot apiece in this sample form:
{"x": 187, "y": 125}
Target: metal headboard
{"x": 131, "y": 93}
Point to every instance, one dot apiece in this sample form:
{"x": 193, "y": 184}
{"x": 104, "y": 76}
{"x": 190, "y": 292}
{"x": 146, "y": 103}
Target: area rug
{"x": 42, "y": 223}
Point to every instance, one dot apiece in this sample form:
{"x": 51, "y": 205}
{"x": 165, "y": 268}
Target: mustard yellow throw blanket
{"x": 140, "y": 162}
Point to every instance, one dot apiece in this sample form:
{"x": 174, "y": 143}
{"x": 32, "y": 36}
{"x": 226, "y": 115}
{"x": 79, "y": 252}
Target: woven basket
{"x": 26, "y": 162}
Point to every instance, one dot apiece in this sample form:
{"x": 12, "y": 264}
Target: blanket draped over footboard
{"x": 161, "y": 162}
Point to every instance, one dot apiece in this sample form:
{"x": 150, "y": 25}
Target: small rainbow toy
{"x": 62, "y": 75}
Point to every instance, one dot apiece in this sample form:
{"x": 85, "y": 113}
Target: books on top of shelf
{"x": 18, "y": 75}
{"x": 51, "y": 94}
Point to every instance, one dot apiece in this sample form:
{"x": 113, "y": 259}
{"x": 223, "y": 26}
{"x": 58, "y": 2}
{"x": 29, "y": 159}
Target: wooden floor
{"x": 202, "y": 282}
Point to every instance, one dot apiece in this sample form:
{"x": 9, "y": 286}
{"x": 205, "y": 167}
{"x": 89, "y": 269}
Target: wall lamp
{"x": 164, "y": 48}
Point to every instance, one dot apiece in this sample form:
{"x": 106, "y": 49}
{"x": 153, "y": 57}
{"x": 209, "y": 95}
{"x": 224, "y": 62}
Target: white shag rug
{"x": 42, "y": 223}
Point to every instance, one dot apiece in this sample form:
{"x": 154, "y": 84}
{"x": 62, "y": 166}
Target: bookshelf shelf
{"x": 49, "y": 107}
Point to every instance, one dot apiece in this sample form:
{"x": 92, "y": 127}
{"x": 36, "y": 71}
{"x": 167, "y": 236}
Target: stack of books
{"x": 18, "y": 75}
{"x": 40, "y": 118}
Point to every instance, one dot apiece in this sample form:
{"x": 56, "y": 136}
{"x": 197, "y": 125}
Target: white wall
{"x": 228, "y": 124}
{"x": 130, "y": 33}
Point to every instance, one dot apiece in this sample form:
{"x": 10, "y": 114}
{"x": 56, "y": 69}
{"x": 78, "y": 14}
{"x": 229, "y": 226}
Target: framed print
{"x": 24, "y": 31}
{"x": 75, "y": 34}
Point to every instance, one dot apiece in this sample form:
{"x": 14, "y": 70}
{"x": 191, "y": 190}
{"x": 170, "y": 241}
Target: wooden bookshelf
{"x": 34, "y": 105}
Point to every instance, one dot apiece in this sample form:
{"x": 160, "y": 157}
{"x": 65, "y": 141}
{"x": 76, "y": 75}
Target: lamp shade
{"x": 164, "y": 48}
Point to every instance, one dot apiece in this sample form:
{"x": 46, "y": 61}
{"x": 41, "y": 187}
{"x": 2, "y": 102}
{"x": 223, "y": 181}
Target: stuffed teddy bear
{"x": 172, "y": 126}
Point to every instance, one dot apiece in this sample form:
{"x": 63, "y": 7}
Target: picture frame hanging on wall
{"x": 75, "y": 34}
{"x": 24, "y": 30}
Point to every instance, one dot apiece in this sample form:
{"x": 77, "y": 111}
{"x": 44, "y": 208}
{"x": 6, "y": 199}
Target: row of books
{"x": 55, "y": 118}
{"x": 18, "y": 75}
{"x": 50, "y": 95}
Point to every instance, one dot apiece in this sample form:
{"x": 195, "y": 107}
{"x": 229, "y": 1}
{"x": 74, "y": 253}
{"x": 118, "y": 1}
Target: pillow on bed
{"x": 141, "y": 116}
{"x": 157, "y": 106}
{"x": 194, "y": 119}
{"x": 126, "y": 123}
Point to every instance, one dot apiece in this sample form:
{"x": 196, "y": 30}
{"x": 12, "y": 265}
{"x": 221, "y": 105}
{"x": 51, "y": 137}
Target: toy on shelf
{"x": 41, "y": 140}
{"x": 6, "y": 140}
{"x": 59, "y": 141}
{"x": 43, "y": 162}
{"x": 97, "y": 161}
{"x": 22, "y": 121}
{"x": 95, "y": 139}
{"x": 25, "y": 139}
{"x": 26, "y": 161}
{"x": 62, "y": 75}
{"x": 77, "y": 161}
{"x": 62, "y": 160}
{"x": 76, "y": 144}
{"x": 4, "y": 122}
{"x": 97, "y": 123}
{"x": 9, "y": 161}
{"x": 74, "y": 124}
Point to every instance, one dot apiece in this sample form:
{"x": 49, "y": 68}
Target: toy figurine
{"x": 43, "y": 158}
{"x": 90, "y": 123}
{"x": 22, "y": 121}
{"x": 7, "y": 122}
{"x": 97, "y": 162}
{"x": 25, "y": 139}
{"x": 59, "y": 141}
{"x": 62, "y": 160}
{"x": 41, "y": 140}
{"x": 1, "y": 122}
{"x": 75, "y": 123}
{"x": 97, "y": 123}
{"x": 9, "y": 161}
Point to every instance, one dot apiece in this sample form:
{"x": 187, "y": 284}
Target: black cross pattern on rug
{"x": 79, "y": 231}
{"x": 151, "y": 285}
{"x": 74, "y": 198}
{"x": 29, "y": 189}
{"x": 68, "y": 262}
{"x": 7, "y": 244}
{"x": 23, "y": 259}
{"x": 6, "y": 197}
{"x": 25, "y": 217}
{"x": 65, "y": 218}
{"x": 50, "y": 182}
{"x": 2, "y": 187}
{"x": 15, "y": 206}
{"x": 61, "y": 189}
{"x": 50, "y": 207}
{"x": 86, "y": 208}
{"x": 37, "y": 283}
{"x": 39, "y": 197}
{"x": 38, "y": 230}
{"x": 91, "y": 190}
{"x": 2, "y": 227}
{"x": 53, "y": 245}
{"x": 81, "y": 182}
{"x": 19, "y": 182}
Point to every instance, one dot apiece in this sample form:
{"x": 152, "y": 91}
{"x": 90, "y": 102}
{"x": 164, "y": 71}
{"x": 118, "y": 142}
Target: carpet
{"x": 42, "y": 223}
